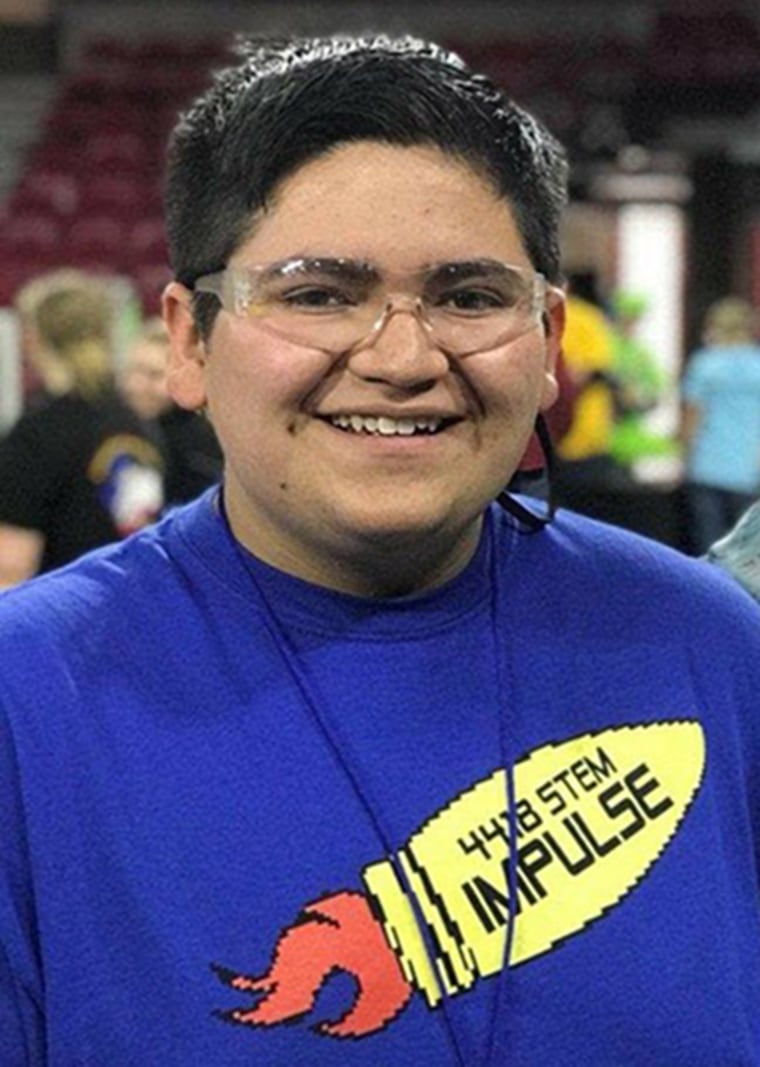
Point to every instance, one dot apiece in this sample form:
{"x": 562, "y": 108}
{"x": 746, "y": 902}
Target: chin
{"x": 404, "y": 519}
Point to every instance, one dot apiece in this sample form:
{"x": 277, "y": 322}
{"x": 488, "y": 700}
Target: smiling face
{"x": 323, "y": 477}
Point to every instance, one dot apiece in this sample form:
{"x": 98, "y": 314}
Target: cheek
{"x": 259, "y": 387}
{"x": 511, "y": 382}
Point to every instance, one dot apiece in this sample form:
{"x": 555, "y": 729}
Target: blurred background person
{"x": 585, "y": 465}
{"x": 193, "y": 459}
{"x": 142, "y": 379}
{"x": 77, "y": 470}
{"x": 720, "y": 423}
{"x": 638, "y": 381}
{"x": 738, "y": 553}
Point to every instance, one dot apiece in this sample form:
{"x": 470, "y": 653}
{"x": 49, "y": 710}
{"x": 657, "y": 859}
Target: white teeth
{"x": 385, "y": 425}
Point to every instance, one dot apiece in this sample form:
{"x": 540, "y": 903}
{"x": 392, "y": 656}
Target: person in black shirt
{"x": 79, "y": 470}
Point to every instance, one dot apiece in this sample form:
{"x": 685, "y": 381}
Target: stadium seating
{"x": 90, "y": 194}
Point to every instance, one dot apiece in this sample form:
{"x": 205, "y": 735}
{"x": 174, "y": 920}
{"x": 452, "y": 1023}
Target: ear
{"x": 186, "y": 371}
{"x": 554, "y": 327}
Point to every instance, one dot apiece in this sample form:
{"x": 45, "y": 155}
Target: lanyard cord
{"x": 312, "y": 702}
{"x": 528, "y": 522}
{"x": 505, "y": 688}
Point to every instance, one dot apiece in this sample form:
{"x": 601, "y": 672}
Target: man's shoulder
{"x": 611, "y": 569}
{"x": 89, "y": 596}
{"x": 70, "y": 638}
{"x": 60, "y": 598}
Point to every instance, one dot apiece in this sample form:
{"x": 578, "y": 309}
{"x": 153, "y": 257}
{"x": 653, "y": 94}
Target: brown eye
{"x": 316, "y": 298}
{"x": 471, "y": 300}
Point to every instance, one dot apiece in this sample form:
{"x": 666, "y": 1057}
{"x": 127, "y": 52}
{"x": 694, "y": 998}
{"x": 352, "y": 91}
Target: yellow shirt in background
{"x": 588, "y": 351}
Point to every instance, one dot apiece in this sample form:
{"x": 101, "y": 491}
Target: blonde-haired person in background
{"x": 720, "y": 427}
{"x": 192, "y": 454}
{"x": 78, "y": 470}
{"x": 142, "y": 378}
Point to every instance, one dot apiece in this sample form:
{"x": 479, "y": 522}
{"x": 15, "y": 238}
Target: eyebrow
{"x": 462, "y": 270}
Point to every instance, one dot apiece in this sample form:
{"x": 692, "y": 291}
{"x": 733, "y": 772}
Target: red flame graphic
{"x": 338, "y": 932}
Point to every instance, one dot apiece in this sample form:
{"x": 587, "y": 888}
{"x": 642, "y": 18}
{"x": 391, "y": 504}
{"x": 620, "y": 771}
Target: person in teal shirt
{"x": 721, "y": 423}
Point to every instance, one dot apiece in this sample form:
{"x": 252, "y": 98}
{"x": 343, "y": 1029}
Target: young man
{"x": 342, "y": 764}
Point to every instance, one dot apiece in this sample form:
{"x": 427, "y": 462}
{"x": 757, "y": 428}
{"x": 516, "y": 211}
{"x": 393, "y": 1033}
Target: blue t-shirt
{"x": 724, "y": 383}
{"x": 245, "y": 820}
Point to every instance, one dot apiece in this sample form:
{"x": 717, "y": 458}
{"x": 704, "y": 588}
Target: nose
{"x": 400, "y": 349}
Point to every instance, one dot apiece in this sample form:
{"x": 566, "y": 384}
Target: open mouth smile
{"x": 386, "y": 426}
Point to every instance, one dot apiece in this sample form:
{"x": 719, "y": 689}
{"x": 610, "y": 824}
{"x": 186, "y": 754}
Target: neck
{"x": 56, "y": 376}
{"x": 405, "y": 566}
{"x": 369, "y": 566}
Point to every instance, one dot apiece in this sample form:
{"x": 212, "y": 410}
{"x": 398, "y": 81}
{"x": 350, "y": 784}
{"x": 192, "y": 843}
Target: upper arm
{"x": 20, "y": 554}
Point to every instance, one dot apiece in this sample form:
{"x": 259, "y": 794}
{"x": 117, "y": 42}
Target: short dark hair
{"x": 290, "y": 101}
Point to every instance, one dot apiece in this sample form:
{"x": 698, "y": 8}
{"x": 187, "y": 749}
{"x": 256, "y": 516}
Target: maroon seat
{"x": 78, "y": 120}
{"x": 47, "y": 191}
{"x": 32, "y": 233}
{"x": 150, "y": 280}
{"x": 119, "y": 195}
{"x": 97, "y": 239}
{"x": 146, "y": 242}
{"x": 18, "y": 268}
{"x": 124, "y": 151}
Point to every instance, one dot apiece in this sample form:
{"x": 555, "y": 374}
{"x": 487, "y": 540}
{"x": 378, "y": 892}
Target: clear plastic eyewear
{"x": 339, "y": 305}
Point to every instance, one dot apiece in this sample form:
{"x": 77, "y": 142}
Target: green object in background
{"x": 631, "y": 441}
{"x": 638, "y": 376}
{"x": 638, "y": 384}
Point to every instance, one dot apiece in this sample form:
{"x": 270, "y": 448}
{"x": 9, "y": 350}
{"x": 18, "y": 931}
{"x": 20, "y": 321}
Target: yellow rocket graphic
{"x": 592, "y": 815}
